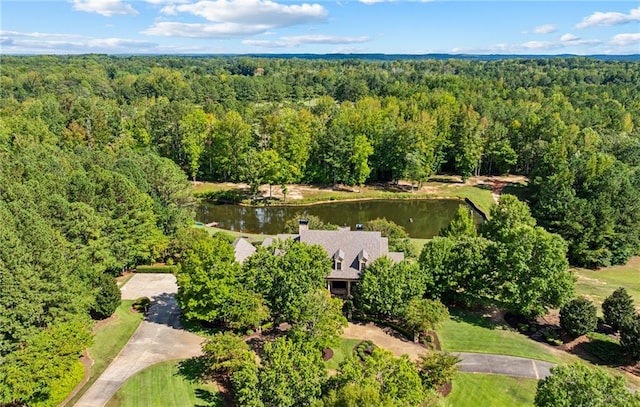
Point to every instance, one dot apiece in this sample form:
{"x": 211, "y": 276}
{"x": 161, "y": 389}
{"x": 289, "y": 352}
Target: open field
{"x": 478, "y": 189}
{"x": 471, "y": 389}
{"x": 165, "y": 384}
{"x": 251, "y": 237}
{"x": 341, "y": 352}
{"x": 599, "y": 284}
{"x": 472, "y": 332}
{"x": 109, "y": 337}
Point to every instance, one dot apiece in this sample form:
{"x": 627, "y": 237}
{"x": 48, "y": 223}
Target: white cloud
{"x": 221, "y": 30}
{"x": 626, "y": 39}
{"x": 392, "y": 1}
{"x": 255, "y": 12}
{"x": 228, "y": 18}
{"x": 158, "y": 2}
{"x": 544, "y": 29}
{"x": 297, "y": 40}
{"x": 569, "y": 37}
{"x": 609, "y": 18}
{"x": 105, "y": 8}
{"x": 35, "y": 42}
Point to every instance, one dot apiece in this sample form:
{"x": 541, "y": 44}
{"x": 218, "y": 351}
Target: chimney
{"x": 359, "y": 226}
{"x": 303, "y": 224}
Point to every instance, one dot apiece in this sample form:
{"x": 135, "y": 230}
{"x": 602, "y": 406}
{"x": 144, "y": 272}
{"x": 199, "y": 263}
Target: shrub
{"x": 141, "y": 304}
{"x": 107, "y": 297}
{"x": 157, "y": 269}
{"x": 437, "y": 368}
{"x": 617, "y": 308}
{"x": 630, "y": 337}
{"x": 578, "y": 317}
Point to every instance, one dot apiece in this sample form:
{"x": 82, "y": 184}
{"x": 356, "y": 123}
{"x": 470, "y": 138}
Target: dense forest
{"x": 572, "y": 125}
{"x": 95, "y": 152}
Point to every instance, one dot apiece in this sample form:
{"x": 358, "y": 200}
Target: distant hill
{"x": 395, "y": 57}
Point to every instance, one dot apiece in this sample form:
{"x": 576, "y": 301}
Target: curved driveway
{"x": 470, "y": 362}
{"x": 157, "y": 339}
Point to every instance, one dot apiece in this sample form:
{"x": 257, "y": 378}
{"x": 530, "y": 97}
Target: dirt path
{"x": 157, "y": 339}
{"x": 471, "y": 362}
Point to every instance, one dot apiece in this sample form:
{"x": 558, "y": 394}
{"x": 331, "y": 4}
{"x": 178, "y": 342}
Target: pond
{"x": 420, "y": 218}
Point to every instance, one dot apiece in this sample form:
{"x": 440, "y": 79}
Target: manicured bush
{"x": 630, "y": 337}
{"x": 437, "y": 368}
{"x": 107, "y": 297}
{"x": 157, "y": 269}
{"x": 141, "y": 304}
{"x": 617, "y": 308}
{"x": 578, "y": 317}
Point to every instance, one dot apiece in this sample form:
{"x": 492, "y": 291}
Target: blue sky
{"x": 307, "y": 26}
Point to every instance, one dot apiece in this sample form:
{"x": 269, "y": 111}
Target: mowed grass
{"x": 470, "y": 389}
{"x": 471, "y": 332}
{"x": 251, "y": 237}
{"x": 109, "y": 338}
{"x": 163, "y": 385}
{"x": 599, "y": 284}
{"x": 341, "y": 352}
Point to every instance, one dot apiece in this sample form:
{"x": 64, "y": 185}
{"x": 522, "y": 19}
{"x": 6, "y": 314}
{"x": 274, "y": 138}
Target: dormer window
{"x": 363, "y": 258}
{"x": 338, "y": 258}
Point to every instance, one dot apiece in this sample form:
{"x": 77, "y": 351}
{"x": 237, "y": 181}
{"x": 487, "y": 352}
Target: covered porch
{"x": 342, "y": 288}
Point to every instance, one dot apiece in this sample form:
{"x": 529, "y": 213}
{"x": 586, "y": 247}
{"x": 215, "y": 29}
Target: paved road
{"x": 471, "y": 362}
{"x": 157, "y": 339}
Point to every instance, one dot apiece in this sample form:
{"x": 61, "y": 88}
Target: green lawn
{"x": 251, "y": 237}
{"x": 109, "y": 338}
{"x": 470, "y": 332}
{"x": 341, "y": 352}
{"x": 599, "y": 284}
{"x": 164, "y": 385}
{"x": 471, "y": 389}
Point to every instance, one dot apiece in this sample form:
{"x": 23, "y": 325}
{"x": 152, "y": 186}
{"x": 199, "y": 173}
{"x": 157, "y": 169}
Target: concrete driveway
{"x": 157, "y": 339}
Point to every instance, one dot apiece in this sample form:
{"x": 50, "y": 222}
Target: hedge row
{"x": 157, "y": 269}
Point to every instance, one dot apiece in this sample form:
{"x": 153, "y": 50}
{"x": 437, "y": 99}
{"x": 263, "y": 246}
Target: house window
{"x": 363, "y": 265}
{"x": 338, "y": 264}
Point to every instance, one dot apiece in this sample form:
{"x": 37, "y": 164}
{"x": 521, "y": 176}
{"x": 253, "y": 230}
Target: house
{"x": 350, "y": 251}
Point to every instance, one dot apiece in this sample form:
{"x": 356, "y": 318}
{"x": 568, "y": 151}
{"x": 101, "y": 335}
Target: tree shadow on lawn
{"x": 210, "y": 398}
{"x": 474, "y": 318}
{"x": 193, "y": 369}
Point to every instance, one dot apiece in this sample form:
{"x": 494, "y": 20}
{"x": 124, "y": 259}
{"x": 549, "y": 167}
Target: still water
{"x": 420, "y": 218}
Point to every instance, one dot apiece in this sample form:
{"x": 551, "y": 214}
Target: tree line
{"x": 570, "y": 124}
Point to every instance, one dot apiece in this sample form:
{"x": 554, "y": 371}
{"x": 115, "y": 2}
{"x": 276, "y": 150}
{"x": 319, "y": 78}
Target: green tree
{"x": 618, "y": 308}
{"x": 362, "y": 149}
{"x": 395, "y": 379}
{"x": 398, "y": 238}
{"x": 313, "y": 222}
{"x": 292, "y": 373}
{"x": 630, "y": 336}
{"x": 385, "y": 288}
{"x": 285, "y": 277}
{"x": 578, "y": 317}
{"x": 194, "y": 129}
{"x": 437, "y": 368}
{"x": 423, "y": 315}
{"x": 462, "y": 224}
{"x": 579, "y": 385}
{"x": 107, "y": 297}
{"x": 321, "y": 318}
{"x": 225, "y": 353}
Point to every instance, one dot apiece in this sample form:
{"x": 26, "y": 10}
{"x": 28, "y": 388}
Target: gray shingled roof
{"x": 353, "y": 244}
{"x": 243, "y": 249}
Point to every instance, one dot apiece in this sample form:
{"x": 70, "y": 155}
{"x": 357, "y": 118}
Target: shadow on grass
{"x": 521, "y": 191}
{"x": 472, "y": 318}
{"x": 601, "y": 350}
{"x": 193, "y": 369}
{"x": 210, "y": 398}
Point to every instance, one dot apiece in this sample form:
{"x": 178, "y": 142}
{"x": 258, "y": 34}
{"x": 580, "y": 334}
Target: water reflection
{"x": 420, "y": 218}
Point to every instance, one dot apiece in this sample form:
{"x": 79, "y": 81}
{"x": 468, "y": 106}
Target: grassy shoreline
{"x": 305, "y": 195}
